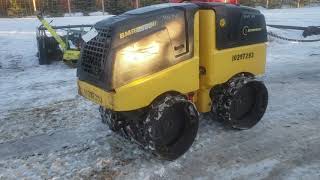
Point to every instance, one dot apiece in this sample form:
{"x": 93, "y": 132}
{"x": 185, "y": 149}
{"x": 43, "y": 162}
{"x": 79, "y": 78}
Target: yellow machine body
{"x": 185, "y": 77}
{"x": 220, "y": 65}
{"x": 182, "y": 77}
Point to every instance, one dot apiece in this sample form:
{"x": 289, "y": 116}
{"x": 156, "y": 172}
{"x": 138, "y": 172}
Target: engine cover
{"x": 96, "y": 65}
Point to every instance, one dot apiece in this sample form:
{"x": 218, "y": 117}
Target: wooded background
{"x": 21, "y": 8}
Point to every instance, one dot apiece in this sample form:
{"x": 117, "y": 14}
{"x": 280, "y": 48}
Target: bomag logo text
{"x": 247, "y": 30}
{"x": 138, "y": 29}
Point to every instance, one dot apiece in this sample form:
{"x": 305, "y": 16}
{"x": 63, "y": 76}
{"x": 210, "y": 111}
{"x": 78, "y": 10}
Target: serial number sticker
{"x": 243, "y": 56}
{"x": 91, "y": 95}
{"x": 90, "y": 35}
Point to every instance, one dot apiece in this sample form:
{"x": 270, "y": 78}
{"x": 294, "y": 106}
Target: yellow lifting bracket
{"x": 54, "y": 34}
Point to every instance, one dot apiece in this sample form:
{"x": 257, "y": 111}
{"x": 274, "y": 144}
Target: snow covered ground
{"x": 47, "y": 131}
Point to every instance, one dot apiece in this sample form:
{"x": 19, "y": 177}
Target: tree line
{"x": 20, "y": 8}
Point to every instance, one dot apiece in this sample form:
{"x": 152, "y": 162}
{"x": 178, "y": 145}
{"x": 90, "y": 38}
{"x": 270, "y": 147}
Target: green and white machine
{"x": 55, "y": 47}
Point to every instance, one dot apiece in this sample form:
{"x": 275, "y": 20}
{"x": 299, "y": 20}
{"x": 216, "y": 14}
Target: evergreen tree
{"x": 150, "y": 2}
{"x": 15, "y": 9}
{"x": 54, "y": 8}
{"x": 118, "y": 6}
{"x": 84, "y": 6}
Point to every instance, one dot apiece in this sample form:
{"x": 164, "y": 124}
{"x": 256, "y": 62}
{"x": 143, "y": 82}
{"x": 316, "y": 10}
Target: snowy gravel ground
{"x": 48, "y": 132}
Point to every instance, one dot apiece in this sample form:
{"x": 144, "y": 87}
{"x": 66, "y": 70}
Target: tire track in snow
{"x": 46, "y": 143}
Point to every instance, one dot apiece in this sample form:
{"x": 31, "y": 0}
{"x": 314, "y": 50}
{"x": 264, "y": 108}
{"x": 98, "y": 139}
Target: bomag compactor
{"x": 153, "y": 69}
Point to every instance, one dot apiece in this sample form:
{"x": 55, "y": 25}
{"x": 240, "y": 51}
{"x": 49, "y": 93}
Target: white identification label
{"x": 90, "y": 35}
